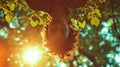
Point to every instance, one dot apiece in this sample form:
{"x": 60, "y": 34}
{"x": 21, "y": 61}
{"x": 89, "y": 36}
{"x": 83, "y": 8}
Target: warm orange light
{"x": 3, "y": 56}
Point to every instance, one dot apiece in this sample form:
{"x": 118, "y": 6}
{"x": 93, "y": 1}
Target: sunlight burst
{"x": 32, "y": 55}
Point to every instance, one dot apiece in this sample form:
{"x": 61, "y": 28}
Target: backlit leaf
{"x": 102, "y": 1}
{"x": 89, "y": 15}
{"x": 83, "y": 24}
{"x": 110, "y": 22}
{"x": 9, "y": 18}
{"x": 95, "y": 21}
{"x": 97, "y": 11}
{"x": 33, "y": 23}
{"x": 75, "y": 24}
{"x": 41, "y": 21}
{"x": 41, "y": 13}
{"x": 12, "y": 7}
{"x": 25, "y": 6}
{"x": 6, "y": 11}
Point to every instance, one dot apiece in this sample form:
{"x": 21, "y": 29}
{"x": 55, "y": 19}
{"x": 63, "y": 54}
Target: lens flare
{"x": 32, "y": 55}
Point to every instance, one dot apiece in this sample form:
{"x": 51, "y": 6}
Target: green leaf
{"x": 33, "y": 23}
{"x": 41, "y": 13}
{"x": 89, "y": 15}
{"x": 83, "y": 24}
{"x": 9, "y": 17}
{"x": 41, "y": 21}
{"x": 95, "y": 21}
{"x": 97, "y": 11}
{"x": 102, "y": 1}
{"x": 74, "y": 23}
{"x": 25, "y": 6}
{"x": 6, "y": 11}
{"x": 12, "y": 7}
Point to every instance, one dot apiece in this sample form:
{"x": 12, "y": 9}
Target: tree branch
{"x": 112, "y": 10}
{"x": 89, "y": 55}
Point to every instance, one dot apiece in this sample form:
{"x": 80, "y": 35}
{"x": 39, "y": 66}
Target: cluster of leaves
{"x": 9, "y": 8}
{"x": 89, "y": 13}
{"x": 98, "y": 13}
{"x": 18, "y": 12}
{"x": 102, "y": 39}
{"x": 39, "y": 18}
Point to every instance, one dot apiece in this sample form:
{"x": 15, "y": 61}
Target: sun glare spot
{"x": 32, "y": 55}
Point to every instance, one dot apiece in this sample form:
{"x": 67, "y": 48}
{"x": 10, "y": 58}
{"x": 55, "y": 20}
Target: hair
{"x": 61, "y": 37}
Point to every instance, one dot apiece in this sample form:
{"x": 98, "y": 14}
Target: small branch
{"x": 114, "y": 20}
{"x": 89, "y": 55}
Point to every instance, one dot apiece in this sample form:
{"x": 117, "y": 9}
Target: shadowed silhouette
{"x": 61, "y": 37}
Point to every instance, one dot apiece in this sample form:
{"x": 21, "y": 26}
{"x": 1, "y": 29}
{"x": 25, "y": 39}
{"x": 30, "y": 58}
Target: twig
{"x": 112, "y": 10}
{"x": 90, "y": 56}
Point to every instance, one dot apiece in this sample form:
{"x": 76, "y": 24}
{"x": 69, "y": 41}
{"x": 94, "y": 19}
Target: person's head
{"x": 46, "y": 5}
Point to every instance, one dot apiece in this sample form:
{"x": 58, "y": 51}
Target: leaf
{"x": 97, "y": 11}
{"x": 12, "y": 7}
{"x": 33, "y": 23}
{"x": 41, "y": 21}
{"x": 20, "y": 5}
{"x": 83, "y": 24}
{"x": 6, "y": 11}
{"x": 9, "y": 18}
{"x": 25, "y": 6}
{"x": 74, "y": 23}
{"x": 41, "y": 13}
{"x": 8, "y": 4}
{"x": 102, "y": 1}
{"x": 89, "y": 15}
{"x": 95, "y": 21}
{"x": 109, "y": 22}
